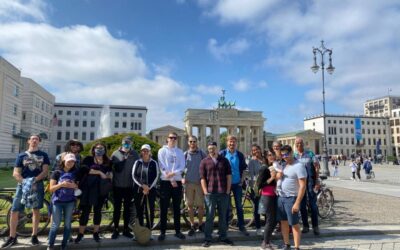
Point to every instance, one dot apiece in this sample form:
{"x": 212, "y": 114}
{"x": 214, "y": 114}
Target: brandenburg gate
{"x": 247, "y": 126}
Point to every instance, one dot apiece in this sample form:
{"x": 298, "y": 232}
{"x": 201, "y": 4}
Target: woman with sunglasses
{"x": 95, "y": 168}
{"x": 266, "y": 184}
{"x": 145, "y": 174}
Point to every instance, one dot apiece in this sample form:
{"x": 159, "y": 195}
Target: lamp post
{"x": 322, "y": 51}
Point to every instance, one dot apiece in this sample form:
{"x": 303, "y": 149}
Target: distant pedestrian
{"x": 359, "y": 162}
{"x": 335, "y": 165}
{"x": 353, "y": 167}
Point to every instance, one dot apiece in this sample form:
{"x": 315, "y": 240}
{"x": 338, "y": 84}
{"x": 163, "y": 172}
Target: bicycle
{"x": 325, "y": 200}
{"x": 370, "y": 175}
{"x": 247, "y": 205}
{"x": 5, "y": 205}
{"x": 24, "y": 227}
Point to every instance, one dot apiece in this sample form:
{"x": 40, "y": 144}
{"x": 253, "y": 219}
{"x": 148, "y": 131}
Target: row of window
{"x": 43, "y": 105}
{"x": 362, "y": 122}
{"x": 76, "y": 123}
{"x": 395, "y": 122}
{"x": 333, "y": 131}
{"x": 397, "y": 130}
{"x": 351, "y": 141}
{"x": 93, "y": 113}
{"x": 67, "y": 136}
{"x": 133, "y": 125}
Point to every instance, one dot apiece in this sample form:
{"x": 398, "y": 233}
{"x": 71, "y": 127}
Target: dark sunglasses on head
{"x": 285, "y": 154}
{"x": 75, "y": 144}
{"x": 172, "y": 137}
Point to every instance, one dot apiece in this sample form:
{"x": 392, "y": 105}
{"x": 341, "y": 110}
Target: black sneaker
{"x": 180, "y": 235}
{"x": 127, "y": 234}
{"x": 286, "y": 247}
{"x": 316, "y": 231}
{"x": 96, "y": 237}
{"x": 305, "y": 230}
{"x": 115, "y": 235}
{"x": 201, "y": 228}
{"x": 244, "y": 232}
{"x": 191, "y": 231}
{"x": 11, "y": 241}
{"x": 161, "y": 237}
{"x": 78, "y": 238}
{"x": 34, "y": 240}
{"x": 227, "y": 241}
{"x": 206, "y": 243}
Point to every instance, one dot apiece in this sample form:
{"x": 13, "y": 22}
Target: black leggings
{"x": 141, "y": 207}
{"x": 167, "y": 192}
{"x": 85, "y": 211}
{"x": 270, "y": 203}
{"x": 122, "y": 195}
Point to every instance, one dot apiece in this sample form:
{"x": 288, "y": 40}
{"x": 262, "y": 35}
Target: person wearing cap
{"x": 145, "y": 174}
{"x": 216, "y": 177}
{"x": 63, "y": 186}
{"x": 172, "y": 164}
{"x": 122, "y": 161}
{"x": 72, "y": 146}
{"x": 31, "y": 168}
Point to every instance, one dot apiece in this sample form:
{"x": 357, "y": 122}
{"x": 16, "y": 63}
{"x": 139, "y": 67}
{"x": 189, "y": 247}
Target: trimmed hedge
{"x": 114, "y": 142}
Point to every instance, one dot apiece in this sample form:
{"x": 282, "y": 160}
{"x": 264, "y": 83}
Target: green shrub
{"x": 114, "y": 142}
{"x": 391, "y": 158}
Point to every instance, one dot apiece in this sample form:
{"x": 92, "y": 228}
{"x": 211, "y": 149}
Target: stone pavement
{"x": 366, "y": 216}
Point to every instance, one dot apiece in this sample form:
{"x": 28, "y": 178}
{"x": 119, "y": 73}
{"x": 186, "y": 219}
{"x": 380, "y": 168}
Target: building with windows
{"x": 82, "y": 122}
{"x": 395, "y": 130}
{"x": 347, "y": 134}
{"x": 37, "y": 112}
{"x": 382, "y": 106}
{"x": 10, "y": 111}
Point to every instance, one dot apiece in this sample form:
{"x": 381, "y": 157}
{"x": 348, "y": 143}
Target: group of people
{"x": 283, "y": 181}
{"x": 359, "y": 163}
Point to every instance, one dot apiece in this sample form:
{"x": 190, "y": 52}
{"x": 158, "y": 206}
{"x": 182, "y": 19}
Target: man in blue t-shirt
{"x": 31, "y": 168}
{"x": 238, "y": 165}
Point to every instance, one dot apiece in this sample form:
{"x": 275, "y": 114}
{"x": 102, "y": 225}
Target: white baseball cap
{"x": 145, "y": 146}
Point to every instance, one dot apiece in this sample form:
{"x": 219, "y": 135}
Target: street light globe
{"x": 330, "y": 69}
{"x": 315, "y": 68}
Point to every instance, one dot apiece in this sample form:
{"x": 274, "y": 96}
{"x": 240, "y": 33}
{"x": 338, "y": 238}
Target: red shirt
{"x": 215, "y": 174}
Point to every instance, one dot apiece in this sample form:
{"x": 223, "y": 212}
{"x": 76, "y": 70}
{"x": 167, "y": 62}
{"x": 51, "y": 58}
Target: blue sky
{"x": 170, "y": 55}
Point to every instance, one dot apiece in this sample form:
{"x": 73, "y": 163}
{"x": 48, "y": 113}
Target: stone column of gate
{"x": 248, "y": 140}
{"x": 216, "y": 135}
{"x": 202, "y": 133}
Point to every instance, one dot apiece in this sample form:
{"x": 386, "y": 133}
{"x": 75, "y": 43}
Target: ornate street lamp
{"x": 322, "y": 51}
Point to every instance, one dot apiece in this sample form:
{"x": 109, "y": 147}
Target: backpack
{"x": 64, "y": 194}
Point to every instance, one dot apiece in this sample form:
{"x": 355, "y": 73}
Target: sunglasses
{"x": 192, "y": 141}
{"x": 172, "y": 137}
{"x": 285, "y": 154}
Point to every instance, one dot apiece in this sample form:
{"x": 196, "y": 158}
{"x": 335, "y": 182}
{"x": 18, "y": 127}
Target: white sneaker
{"x": 259, "y": 232}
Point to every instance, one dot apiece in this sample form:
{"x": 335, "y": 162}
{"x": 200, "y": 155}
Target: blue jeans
{"x": 311, "y": 196}
{"x": 212, "y": 202}
{"x": 237, "y": 194}
{"x": 58, "y": 209}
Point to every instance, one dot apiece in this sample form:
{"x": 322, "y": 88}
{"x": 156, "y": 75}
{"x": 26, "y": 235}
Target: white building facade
{"x": 341, "y": 130}
{"x": 82, "y": 122}
{"x": 10, "y": 111}
{"x": 395, "y": 130}
{"x": 37, "y": 112}
{"x": 382, "y": 106}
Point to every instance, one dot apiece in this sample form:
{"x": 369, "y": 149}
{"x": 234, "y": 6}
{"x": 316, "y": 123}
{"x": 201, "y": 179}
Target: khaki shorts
{"x": 194, "y": 195}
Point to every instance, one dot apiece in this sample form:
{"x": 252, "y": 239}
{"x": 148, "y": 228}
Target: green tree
{"x": 222, "y": 140}
{"x": 114, "y": 142}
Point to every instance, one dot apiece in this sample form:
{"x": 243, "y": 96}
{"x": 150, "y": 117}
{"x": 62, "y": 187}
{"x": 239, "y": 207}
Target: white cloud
{"x": 14, "y": 10}
{"x": 241, "y": 85}
{"x": 208, "y": 90}
{"x": 362, "y": 34}
{"x": 263, "y": 84}
{"x": 231, "y": 47}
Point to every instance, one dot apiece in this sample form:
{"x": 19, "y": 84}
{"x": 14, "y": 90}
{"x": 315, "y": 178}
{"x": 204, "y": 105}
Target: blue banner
{"x": 357, "y": 129}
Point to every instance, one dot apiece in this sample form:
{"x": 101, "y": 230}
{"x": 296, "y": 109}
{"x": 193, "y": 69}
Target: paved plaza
{"x": 366, "y": 216}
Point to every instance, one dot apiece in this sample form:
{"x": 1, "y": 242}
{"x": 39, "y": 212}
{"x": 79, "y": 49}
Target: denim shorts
{"x": 284, "y": 212}
{"x": 17, "y": 206}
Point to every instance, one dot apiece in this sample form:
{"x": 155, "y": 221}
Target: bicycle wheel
{"x": 248, "y": 208}
{"x": 372, "y": 175}
{"x": 5, "y": 205}
{"x": 325, "y": 201}
{"x": 106, "y": 217}
{"x": 24, "y": 227}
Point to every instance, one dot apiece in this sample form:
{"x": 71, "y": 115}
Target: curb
{"x": 198, "y": 238}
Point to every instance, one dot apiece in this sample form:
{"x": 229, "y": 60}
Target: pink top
{"x": 268, "y": 191}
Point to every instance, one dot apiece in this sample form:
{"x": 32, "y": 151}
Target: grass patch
{"x": 6, "y": 178}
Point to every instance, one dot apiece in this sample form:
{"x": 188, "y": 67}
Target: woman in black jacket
{"x": 145, "y": 174}
{"x": 266, "y": 185}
